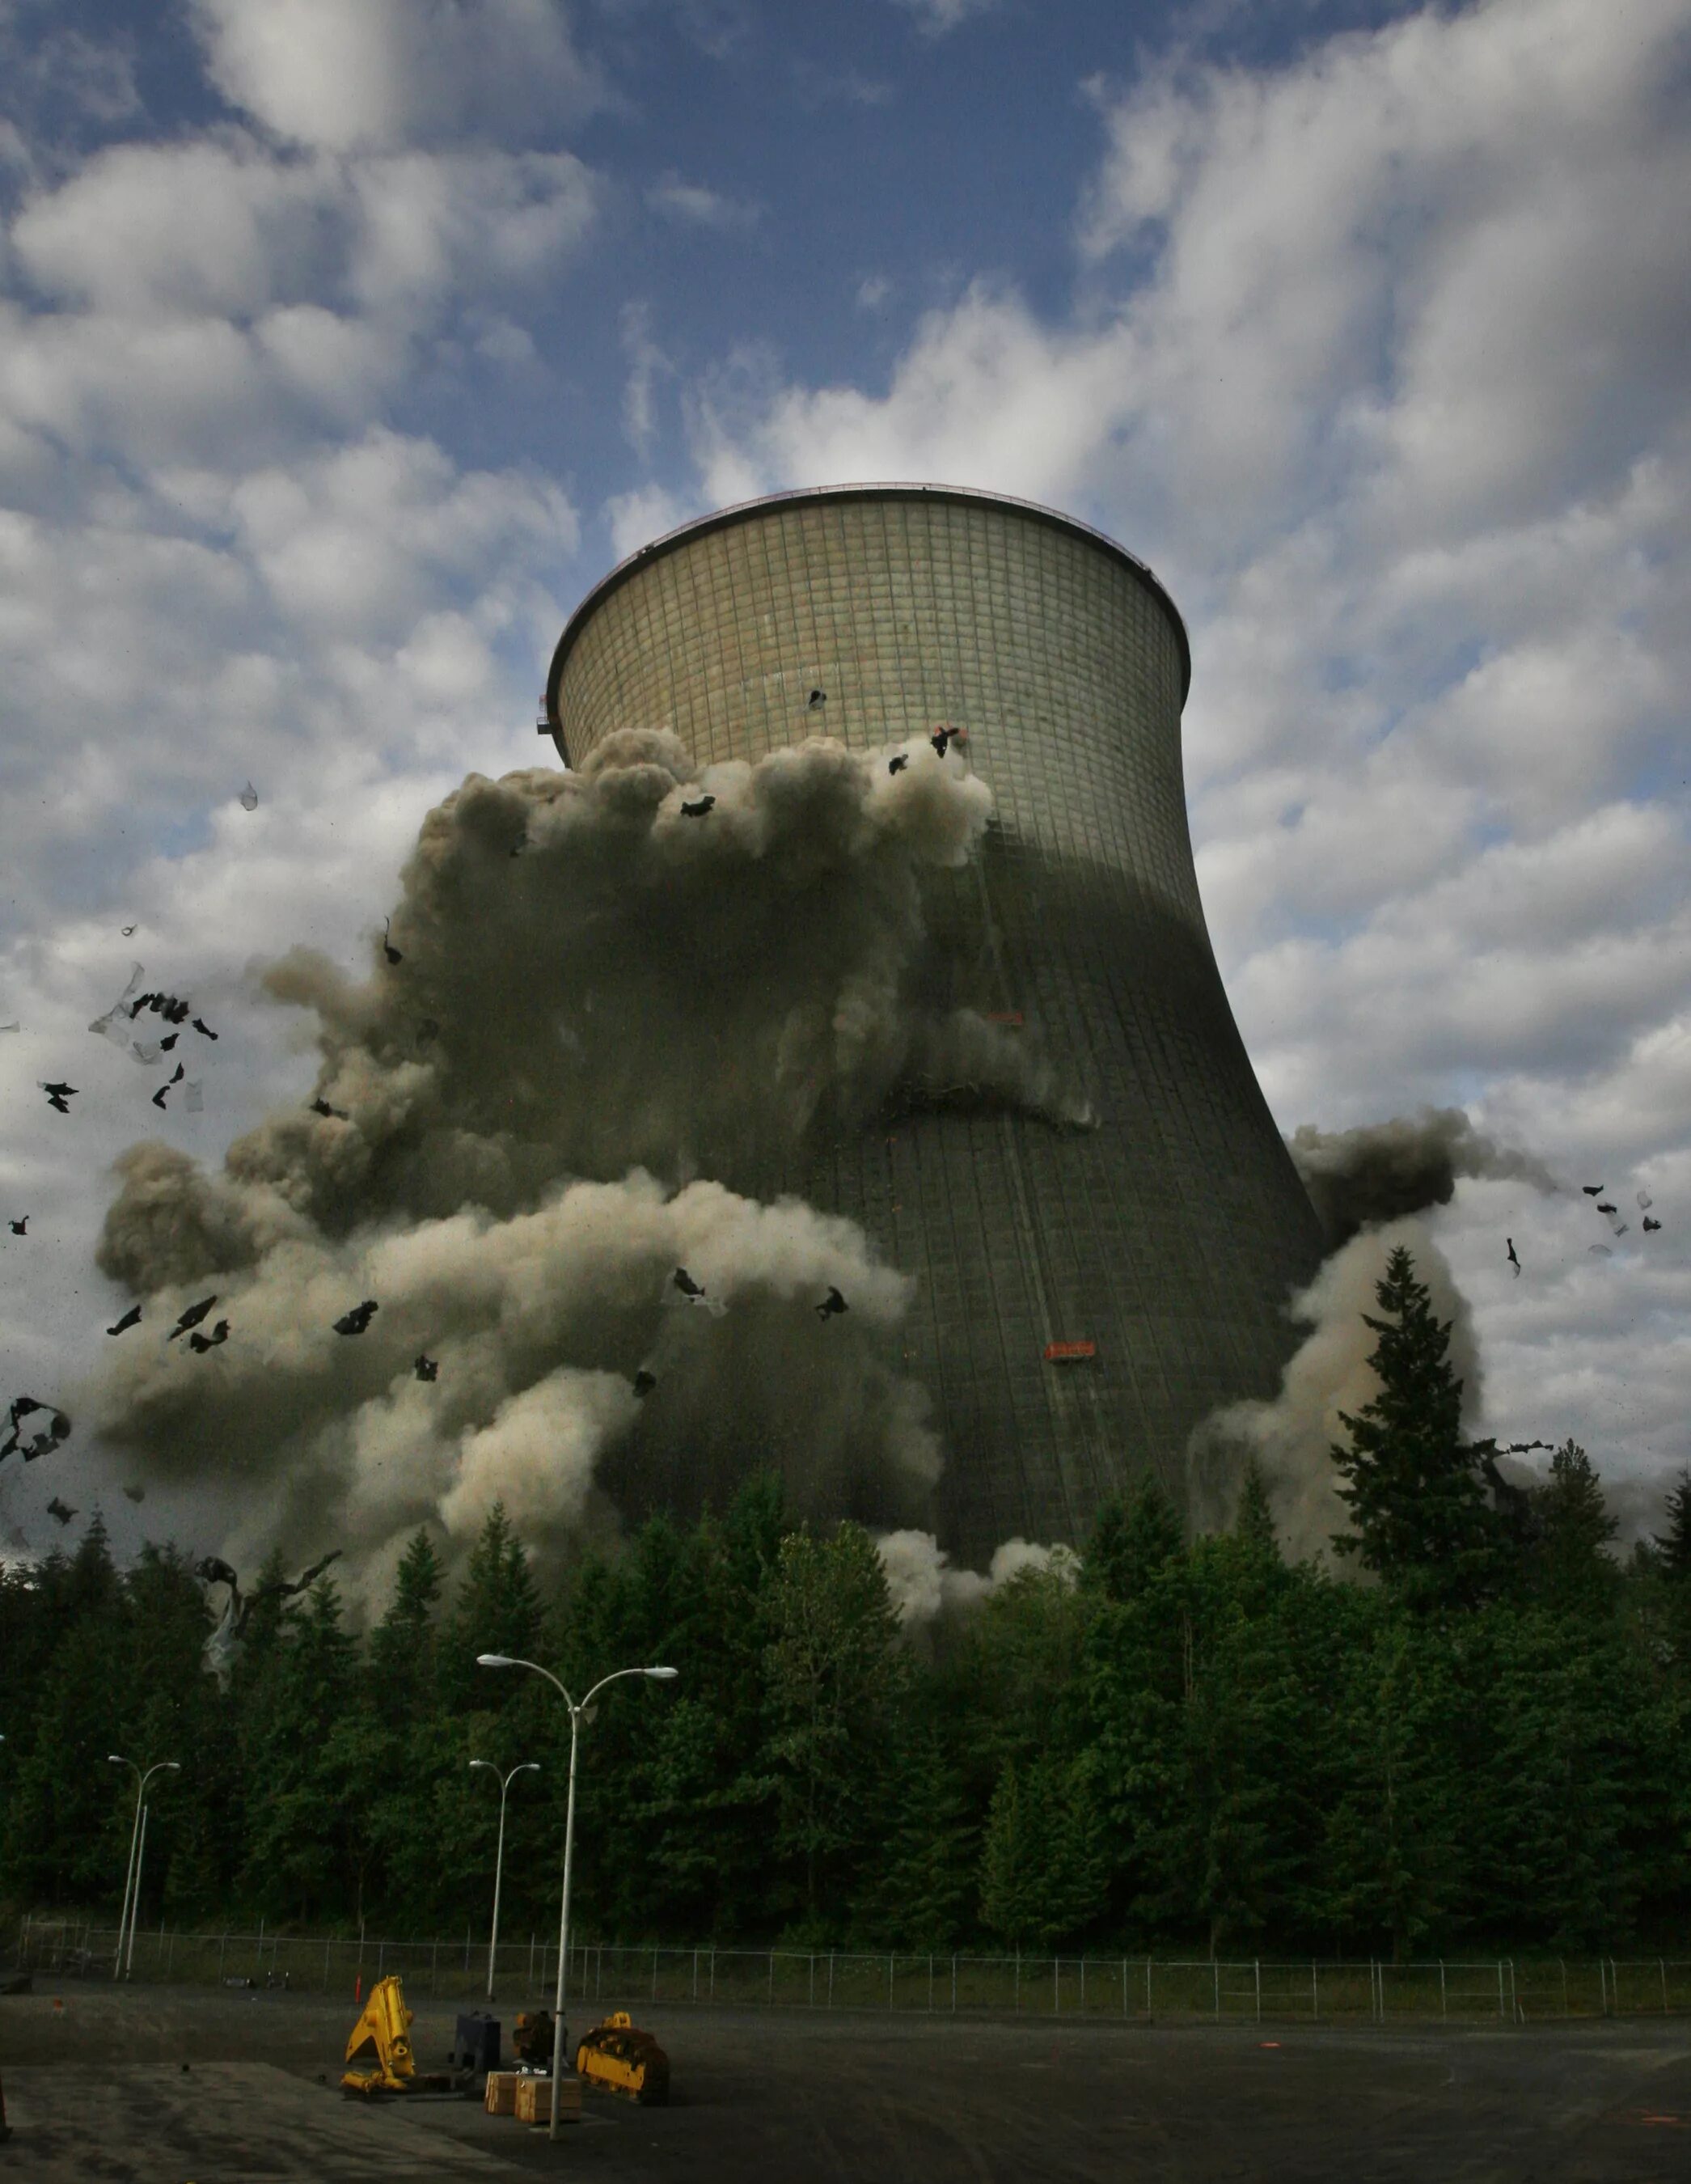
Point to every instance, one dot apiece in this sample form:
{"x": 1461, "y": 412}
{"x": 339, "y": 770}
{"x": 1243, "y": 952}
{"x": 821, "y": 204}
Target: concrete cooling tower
{"x": 1084, "y": 1297}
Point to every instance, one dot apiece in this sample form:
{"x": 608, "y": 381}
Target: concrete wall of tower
{"x": 1171, "y": 1235}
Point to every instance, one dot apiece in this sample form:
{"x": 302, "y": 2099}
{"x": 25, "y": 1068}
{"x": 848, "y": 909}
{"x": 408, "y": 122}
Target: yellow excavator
{"x": 623, "y": 2059}
{"x": 384, "y": 2031}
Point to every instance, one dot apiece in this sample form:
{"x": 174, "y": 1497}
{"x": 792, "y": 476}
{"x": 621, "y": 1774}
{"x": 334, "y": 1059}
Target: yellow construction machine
{"x": 618, "y": 2056}
{"x": 384, "y": 2031}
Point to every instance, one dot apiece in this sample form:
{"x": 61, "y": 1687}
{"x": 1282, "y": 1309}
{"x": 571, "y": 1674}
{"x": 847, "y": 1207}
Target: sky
{"x": 343, "y": 348}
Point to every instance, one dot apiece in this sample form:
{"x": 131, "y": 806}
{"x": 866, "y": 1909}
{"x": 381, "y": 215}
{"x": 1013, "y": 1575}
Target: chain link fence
{"x": 1507, "y": 1989}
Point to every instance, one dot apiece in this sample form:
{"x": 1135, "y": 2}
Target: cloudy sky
{"x": 343, "y": 346}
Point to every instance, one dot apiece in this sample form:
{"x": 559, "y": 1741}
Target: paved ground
{"x": 97, "y": 2092}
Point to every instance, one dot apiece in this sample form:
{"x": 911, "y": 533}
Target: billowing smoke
{"x": 923, "y": 1585}
{"x": 1367, "y": 1185}
{"x": 1388, "y": 1171}
{"x": 610, "y": 1009}
{"x": 1292, "y": 1437}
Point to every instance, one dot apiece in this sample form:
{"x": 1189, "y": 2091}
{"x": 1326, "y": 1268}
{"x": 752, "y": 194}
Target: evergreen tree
{"x": 1398, "y": 1843}
{"x": 1416, "y": 1487}
{"x": 1569, "y": 1565}
{"x": 1131, "y": 1541}
{"x": 1674, "y": 1546}
{"x": 1254, "y": 1520}
{"x": 1041, "y": 1863}
{"x": 922, "y": 1889}
{"x": 497, "y": 1610}
{"x": 831, "y": 1673}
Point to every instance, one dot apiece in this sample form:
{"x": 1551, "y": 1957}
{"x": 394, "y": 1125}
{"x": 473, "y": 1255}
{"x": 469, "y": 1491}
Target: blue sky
{"x": 342, "y": 348}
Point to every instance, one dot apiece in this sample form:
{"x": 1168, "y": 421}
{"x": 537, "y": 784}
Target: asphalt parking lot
{"x": 96, "y": 2090}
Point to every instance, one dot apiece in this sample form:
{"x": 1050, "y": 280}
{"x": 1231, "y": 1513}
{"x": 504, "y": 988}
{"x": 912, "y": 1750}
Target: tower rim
{"x": 822, "y": 496}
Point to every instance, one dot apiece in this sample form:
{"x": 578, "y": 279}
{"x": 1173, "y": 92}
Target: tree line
{"x": 1179, "y": 1744}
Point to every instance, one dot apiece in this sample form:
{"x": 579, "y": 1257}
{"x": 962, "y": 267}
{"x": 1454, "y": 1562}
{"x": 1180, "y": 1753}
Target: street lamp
{"x": 528, "y": 1767}
{"x": 137, "y": 1839}
{"x": 658, "y": 1675}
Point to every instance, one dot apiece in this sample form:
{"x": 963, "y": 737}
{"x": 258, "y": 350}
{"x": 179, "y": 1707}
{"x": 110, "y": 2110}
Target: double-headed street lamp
{"x": 504, "y": 1661}
{"x": 528, "y": 1767}
{"x": 138, "y": 1846}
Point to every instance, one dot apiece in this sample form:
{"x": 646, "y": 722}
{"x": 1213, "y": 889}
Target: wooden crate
{"x": 534, "y": 2100}
{"x": 501, "y": 2096}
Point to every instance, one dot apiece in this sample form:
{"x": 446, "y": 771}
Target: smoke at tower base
{"x": 1368, "y": 1186}
{"x": 611, "y": 1021}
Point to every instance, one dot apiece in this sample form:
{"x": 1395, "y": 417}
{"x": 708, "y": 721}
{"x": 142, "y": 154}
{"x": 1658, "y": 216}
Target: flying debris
{"x": 218, "y": 1650}
{"x": 192, "y": 1317}
{"x": 1599, "y": 1251}
{"x": 114, "y": 1024}
{"x": 1643, "y": 1202}
{"x": 644, "y": 1382}
{"x": 1604, "y": 1206}
{"x": 57, "y": 1432}
{"x": 387, "y": 947}
{"x": 135, "y": 1493}
{"x": 426, "y": 1368}
{"x": 832, "y": 1305}
{"x": 321, "y": 1107}
{"x": 1513, "y": 1261}
{"x": 202, "y": 1343}
{"x": 698, "y": 810}
{"x": 249, "y": 797}
{"x": 1521, "y": 1447}
{"x": 127, "y": 930}
{"x": 59, "y": 1096}
{"x": 158, "y": 1097}
{"x": 19, "y": 1228}
{"x": 359, "y": 1318}
{"x": 130, "y": 1318}
{"x": 898, "y": 765}
{"x": 204, "y": 1029}
{"x": 22, "y": 1407}
{"x": 57, "y": 1508}
{"x": 816, "y": 699}
{"x": 689, "y": 1289}
{"x": 1593, "y": 1189}
{"x": 193, "y": 1096}
{"x": 165, "y": 1045}
{"x": 941, "y": 739}
{"x": 1650, "y": 1227}
{"x": 10, "y": 1026}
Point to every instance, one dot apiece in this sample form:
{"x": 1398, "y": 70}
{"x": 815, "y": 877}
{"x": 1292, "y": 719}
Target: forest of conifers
{"x": 1191, "y": 1743}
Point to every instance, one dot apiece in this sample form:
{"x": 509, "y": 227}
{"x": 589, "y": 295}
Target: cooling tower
{"x": 1083, "y": 1297}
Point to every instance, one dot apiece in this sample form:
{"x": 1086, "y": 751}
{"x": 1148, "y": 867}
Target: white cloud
{"x": 638, "y": 517}
{"x": 694, "y": 205}
{"x": 647, "y": 364}
{"x": 391, "y": 73}
{"x": 934, "y": 17}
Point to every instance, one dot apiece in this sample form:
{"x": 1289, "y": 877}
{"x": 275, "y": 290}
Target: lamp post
{"x": 504, "y": 1661}
{"x": 131, "y": 1886}
{"x": 528, "y": 1767}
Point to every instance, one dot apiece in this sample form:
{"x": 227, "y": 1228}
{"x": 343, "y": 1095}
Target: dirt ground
{"x": 97, "y": 2091}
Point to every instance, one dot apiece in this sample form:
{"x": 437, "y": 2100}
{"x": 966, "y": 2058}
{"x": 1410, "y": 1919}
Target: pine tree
{"x": 1254, "y": 1520}
{"x": 1674, "y": 1546}
{"x": 1569, "y": 1566}
{"x": 1131, "y": 1541}
{"x": 497, "y": 1610}
{"x": 1043, "y": 1870}
{"x": 831, "y": 1673}
{"x": 1416, "y": 1487}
